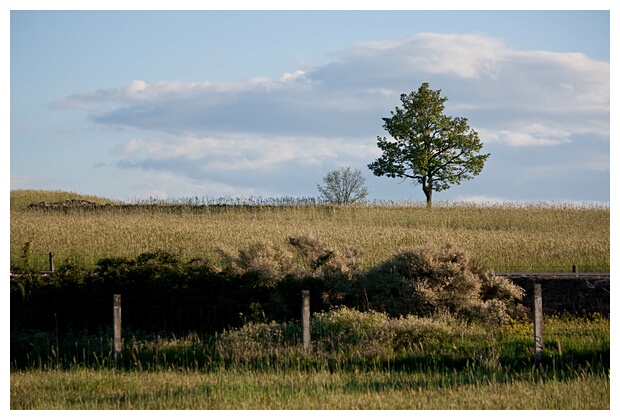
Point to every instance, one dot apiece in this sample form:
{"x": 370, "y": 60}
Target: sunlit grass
{"x": 377, "y": 390}
{"x": 357, "y": 361}
{"x": 509, "y": 237}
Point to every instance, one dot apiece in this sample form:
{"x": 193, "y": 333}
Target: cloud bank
{"x": 262, "y": 135}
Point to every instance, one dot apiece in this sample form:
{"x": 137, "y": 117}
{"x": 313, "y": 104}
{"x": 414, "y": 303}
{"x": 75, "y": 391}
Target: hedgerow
{"x": 260, "y": 283}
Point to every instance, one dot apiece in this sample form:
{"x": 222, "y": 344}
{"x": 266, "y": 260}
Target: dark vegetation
{"x": 409, "y": 313}
{"x": 262, "y": 283}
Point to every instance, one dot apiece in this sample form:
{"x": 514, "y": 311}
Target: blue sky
{"x": 170, "y": 104}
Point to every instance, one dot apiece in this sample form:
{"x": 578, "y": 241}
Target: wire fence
{"x": 178, "y": 315}
{"x": 563, "y": 292}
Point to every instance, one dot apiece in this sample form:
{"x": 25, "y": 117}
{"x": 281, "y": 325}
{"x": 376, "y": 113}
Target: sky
{"x": 133, "y": 104}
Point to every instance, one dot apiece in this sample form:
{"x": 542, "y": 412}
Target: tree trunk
{"x": 427, "y": 187}
{"x": 429, "y": 197}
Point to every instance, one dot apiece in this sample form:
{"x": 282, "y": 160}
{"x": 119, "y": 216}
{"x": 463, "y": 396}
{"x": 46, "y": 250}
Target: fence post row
{"x": 116, "y": 304}
{"x": 305, "y": 323}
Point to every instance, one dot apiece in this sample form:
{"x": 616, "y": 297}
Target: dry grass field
{"x": 509, "y": 237}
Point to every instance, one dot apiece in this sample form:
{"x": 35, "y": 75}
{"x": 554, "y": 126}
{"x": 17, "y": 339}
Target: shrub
{"x": 428, "y": 280}
{"x": 413, "y": 332}
{"x": 255, "y": 340}
{"x": 307, "y": 257}
{"x": 268, "y": 262}
{"x": 346, "y": 327}
{"x": 338, "y": 269}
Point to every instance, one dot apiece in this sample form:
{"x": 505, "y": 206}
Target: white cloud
{"x": 171, "y": 186}
{"x": 136, "y": 87}
{"x": 526, "y": 139}
{"x": 292, "y": 76}
{"x": 236, "y": 152}
{"x": 275, "y": 129}
{"x": 465, "y": 56}
{"x": 348, "y": 96}
{"x": 527, "y": 133}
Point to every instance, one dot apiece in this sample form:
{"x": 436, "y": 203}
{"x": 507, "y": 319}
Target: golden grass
{"x": 538, "y": 237}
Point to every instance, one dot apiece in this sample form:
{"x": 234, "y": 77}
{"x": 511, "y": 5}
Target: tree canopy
{"x": 432, "y": 149}
{"x": 343, "y": 186}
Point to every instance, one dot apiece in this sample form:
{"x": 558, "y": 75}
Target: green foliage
{"x": 343, "y": 186}
{"x": 157, "y": 273}
{"x": 428, "y": 147}
{"x": 342, "y": 337}
{"x": 348, "y": 330}
{"x": 257, "y": 341}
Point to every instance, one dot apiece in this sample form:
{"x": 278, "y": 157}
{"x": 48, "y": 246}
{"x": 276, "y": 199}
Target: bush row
{"x": 260, "y": 283}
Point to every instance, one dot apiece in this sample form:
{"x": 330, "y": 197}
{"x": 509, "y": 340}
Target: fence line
{"x": 189, "y": 312}
{"x": 306, "y": 324}
{"x": 178, "y": 315}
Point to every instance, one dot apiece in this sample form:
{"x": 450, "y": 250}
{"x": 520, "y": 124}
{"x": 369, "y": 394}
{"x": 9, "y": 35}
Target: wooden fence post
{"x": 118, "y": 347}
{"x": 305, "y": 320}
{"x": 538, "y": 323}
{"x": 51, "y": 255}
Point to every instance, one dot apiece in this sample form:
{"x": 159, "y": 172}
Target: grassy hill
{"x": 507, "y": 237}
{"x": 21, "y": 199}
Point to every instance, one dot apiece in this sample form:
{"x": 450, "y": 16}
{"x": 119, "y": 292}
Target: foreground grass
{"x": 358, "y": 361}
{"x": 503, "y": 238}
{"x": 378, "y": 390}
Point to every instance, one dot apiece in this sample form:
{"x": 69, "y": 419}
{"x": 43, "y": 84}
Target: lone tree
{"x": 430, "y": 148}
{"x": 343, "y": 186}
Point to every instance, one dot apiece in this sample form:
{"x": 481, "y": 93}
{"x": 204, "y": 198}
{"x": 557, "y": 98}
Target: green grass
{"x": 376, "y": 390}
{"x": 540, "y": 237}
{"x": 357, "y": 361}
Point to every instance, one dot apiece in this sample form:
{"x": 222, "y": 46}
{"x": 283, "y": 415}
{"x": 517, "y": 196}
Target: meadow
{"x": 358, "y": 360}
{"x": 504, "y": 238}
